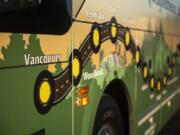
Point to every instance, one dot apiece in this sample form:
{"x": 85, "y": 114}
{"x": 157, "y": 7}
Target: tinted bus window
{"x": 35, "y": 16}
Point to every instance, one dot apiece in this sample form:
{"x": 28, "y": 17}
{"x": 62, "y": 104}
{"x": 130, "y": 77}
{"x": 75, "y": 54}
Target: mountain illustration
{"x": 155, "y": 48}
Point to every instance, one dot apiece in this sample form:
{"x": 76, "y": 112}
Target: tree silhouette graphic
{"x": 14, "y": 53}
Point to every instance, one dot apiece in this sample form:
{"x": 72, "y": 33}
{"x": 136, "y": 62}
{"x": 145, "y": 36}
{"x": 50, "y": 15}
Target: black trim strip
{"x": 40, "y": 132}
{"x": 132, "y": 28}
{"x": 27, "y": 66}
{"x": 80, "y": 9}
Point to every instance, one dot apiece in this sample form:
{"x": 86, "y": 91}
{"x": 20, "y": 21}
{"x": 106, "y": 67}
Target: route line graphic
{"x": 50, "y": 90}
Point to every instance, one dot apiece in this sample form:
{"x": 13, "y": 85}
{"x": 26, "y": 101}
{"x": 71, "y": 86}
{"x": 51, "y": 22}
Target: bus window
{"x": 35, "y": 16}
{"x": 9, "y": 5}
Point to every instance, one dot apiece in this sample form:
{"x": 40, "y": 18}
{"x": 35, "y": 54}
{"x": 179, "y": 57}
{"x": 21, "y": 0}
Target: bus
{"x": 88, "y": 67}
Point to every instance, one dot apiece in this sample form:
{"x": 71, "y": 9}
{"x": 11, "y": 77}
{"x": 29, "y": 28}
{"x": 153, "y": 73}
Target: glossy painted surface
{"x": 151, "y": 108}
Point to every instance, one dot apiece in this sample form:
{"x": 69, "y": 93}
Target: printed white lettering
{"x": 26, "y": 57}
{"x": 94, "y": 74}
{"x": 32, "y": 60}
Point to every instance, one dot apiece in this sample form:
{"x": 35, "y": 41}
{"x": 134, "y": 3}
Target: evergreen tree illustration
{"x": 165, "y": 50}
{"x": 155, "y": 48}
{"x": 34, "y": 47}
{"x": 89, "y": 66}
{"x": 14, "y": 53}
{"x": 162, "y": 51}
{"x": 148, "y": 44}
{"x": 157, "y": 52}
{"x": 58, "y": 68}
